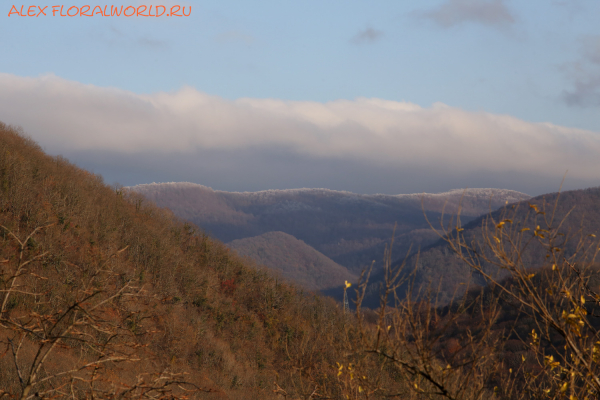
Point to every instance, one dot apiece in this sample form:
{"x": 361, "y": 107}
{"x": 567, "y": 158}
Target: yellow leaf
{"x": 348, "y": 284}
{"x": 500, "y": 225}
{"x": 582, "y": 299}
{"x": 525, "y": 229}
{"x": 459, "y": 229}
{"x": 530, "y": 276}
{"x": 553, "y": 267}
{"x": 564, "y": 387}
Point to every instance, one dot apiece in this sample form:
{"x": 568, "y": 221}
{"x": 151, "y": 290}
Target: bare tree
{"x": 71, "y": 342}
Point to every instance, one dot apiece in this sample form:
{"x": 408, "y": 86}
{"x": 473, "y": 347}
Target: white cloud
{"x": 66, "y": 116}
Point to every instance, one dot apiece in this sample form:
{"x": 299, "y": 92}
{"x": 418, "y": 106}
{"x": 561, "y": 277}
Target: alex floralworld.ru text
{"x": 100, "y": 11}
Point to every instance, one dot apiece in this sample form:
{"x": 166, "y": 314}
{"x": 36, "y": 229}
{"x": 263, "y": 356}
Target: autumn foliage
{"x": 104, "y": 294}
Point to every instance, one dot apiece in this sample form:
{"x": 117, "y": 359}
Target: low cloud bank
{"x": 69, "y": 118}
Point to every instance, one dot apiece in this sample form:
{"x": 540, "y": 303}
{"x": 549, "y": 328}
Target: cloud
{"x": 67, "y": 117}
{"x": 368, "y": 35}
{"x": 113, "y": 36}
{"x": 235, "y": 37}
{"x": 148, "y": 41}
{"x": 455, "y": 12}
{"x": 584, "y": 75}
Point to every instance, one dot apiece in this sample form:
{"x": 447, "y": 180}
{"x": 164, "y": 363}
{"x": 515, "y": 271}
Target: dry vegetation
{"x": 531, "y": 333}
{"x": 103, "y": 295}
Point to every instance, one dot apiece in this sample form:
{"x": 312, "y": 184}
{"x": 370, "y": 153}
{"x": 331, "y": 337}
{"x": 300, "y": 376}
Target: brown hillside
{"x": 104, "y": 295}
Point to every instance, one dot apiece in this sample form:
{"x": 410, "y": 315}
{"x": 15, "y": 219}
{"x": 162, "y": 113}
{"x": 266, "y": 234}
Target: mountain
{"x": 294, "y": 260}
{"x": 351, "y": 229}
{"x": 572, "y": 214}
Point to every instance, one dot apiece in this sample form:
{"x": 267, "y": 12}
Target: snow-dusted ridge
{"x": 155, "y": 185}
{"x": 471, "y": 192}
{"x": 185, "y": 185}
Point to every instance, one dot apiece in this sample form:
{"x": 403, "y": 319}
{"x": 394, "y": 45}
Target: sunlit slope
{"x": 121, "y": 297}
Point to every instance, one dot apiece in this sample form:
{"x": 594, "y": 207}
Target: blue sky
{"x": 535, "y": 61}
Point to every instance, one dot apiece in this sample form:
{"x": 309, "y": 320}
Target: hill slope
{"x": 576, "y": 211}
{"x": 104, "y": 295}
{"x": 295, "y": 260}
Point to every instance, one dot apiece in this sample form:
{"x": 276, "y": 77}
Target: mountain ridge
{"x": 512, "y": 195}
{"x": 437, "y": 266}
{"x": 350, "y": 229}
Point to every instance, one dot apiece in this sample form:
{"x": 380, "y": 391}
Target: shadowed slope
{"x": 349, "y": 228}
{"x": 296, "y": 261}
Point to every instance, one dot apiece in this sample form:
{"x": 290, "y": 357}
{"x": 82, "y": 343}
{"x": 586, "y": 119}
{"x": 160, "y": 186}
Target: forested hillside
{"x": 102, "y": 294}
{"x": 294, "y": 260}
{"x": 441, "y": 269}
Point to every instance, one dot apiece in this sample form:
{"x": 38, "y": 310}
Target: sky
{"x": 370, "y": 97}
